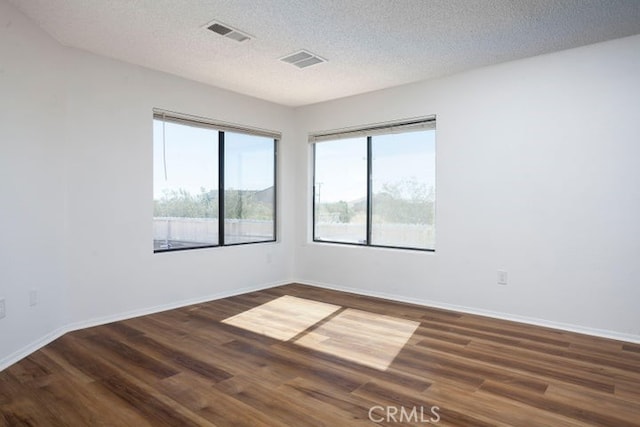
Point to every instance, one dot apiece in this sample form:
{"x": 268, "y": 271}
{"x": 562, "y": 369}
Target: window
{"x": 376, "y": 186}
{"x": 213, "y": 184}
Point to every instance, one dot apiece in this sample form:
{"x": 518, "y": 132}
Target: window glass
{"x": 185, "y": 186}
{"x": 341, "y": 191}
{"x": 249, "y": 181}
{"x": 403, "y": 190}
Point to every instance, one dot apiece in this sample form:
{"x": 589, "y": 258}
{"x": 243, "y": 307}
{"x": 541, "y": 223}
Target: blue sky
{"x": 192, "y": 154}
{"x": 342, "y": 164}
{"x": 192, "y": 159}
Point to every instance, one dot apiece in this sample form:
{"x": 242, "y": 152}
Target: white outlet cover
{"x": 33, "y": 297}
{"x": 502, "y": 277}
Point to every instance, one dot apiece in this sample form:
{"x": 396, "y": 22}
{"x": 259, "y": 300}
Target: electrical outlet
{"x": 502, "y": 277}
{"x": 33, "y": 297}
{"x": 3, "y": 310}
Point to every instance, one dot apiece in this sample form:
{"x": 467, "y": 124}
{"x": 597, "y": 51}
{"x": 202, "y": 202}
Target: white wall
{"x": 537, "y": 174}
{"x": 32, "y": 182}
{"x": 114, "y": 269}
{"x": 76, "y": 134}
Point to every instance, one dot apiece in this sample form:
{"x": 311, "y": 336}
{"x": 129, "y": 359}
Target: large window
{"x": 213, "y": 184}
{"x": 376, "y": 186}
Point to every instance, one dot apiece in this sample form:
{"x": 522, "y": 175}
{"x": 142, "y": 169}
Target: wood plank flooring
{"x": 186, "y": 367}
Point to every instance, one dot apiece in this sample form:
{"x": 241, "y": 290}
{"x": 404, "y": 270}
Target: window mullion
{"x": 275, "y": 189}
{"x": 221, "y": 188}
{"x": 314, "y": 196}
{"x": 369, "y": 189}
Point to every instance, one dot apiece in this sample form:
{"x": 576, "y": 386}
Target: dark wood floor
{"x": 186, "y": 368}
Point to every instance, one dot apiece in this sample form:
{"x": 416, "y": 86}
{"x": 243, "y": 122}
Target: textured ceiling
{"x": 370, "y": 44}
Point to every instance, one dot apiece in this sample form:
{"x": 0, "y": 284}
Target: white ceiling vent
{"x": 227, "y": 31}
{"x": 303, "y": 59}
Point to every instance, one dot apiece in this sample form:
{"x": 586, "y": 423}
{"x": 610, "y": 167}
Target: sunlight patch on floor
{"x": 370, "y": 339}
{"x": 283, "y": 318}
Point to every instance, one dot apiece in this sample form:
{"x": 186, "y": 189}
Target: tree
{"x": 336, "y": 212}
{"x": 239, "y": 204}
{"x": 182, "y": 204}
{"x": 405, "y": 202}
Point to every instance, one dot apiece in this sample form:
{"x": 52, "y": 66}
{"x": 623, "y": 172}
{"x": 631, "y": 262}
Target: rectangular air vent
{"x": 227, "y": 31}
{"x": 303, "y": 59}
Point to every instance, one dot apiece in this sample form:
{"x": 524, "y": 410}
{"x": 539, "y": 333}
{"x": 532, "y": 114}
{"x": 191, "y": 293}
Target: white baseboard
{"x": 170, "y": 306}
{"x": 57, "y": 333}
{"x": 603, "y": 333}
{"x": 30, "y": 348}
